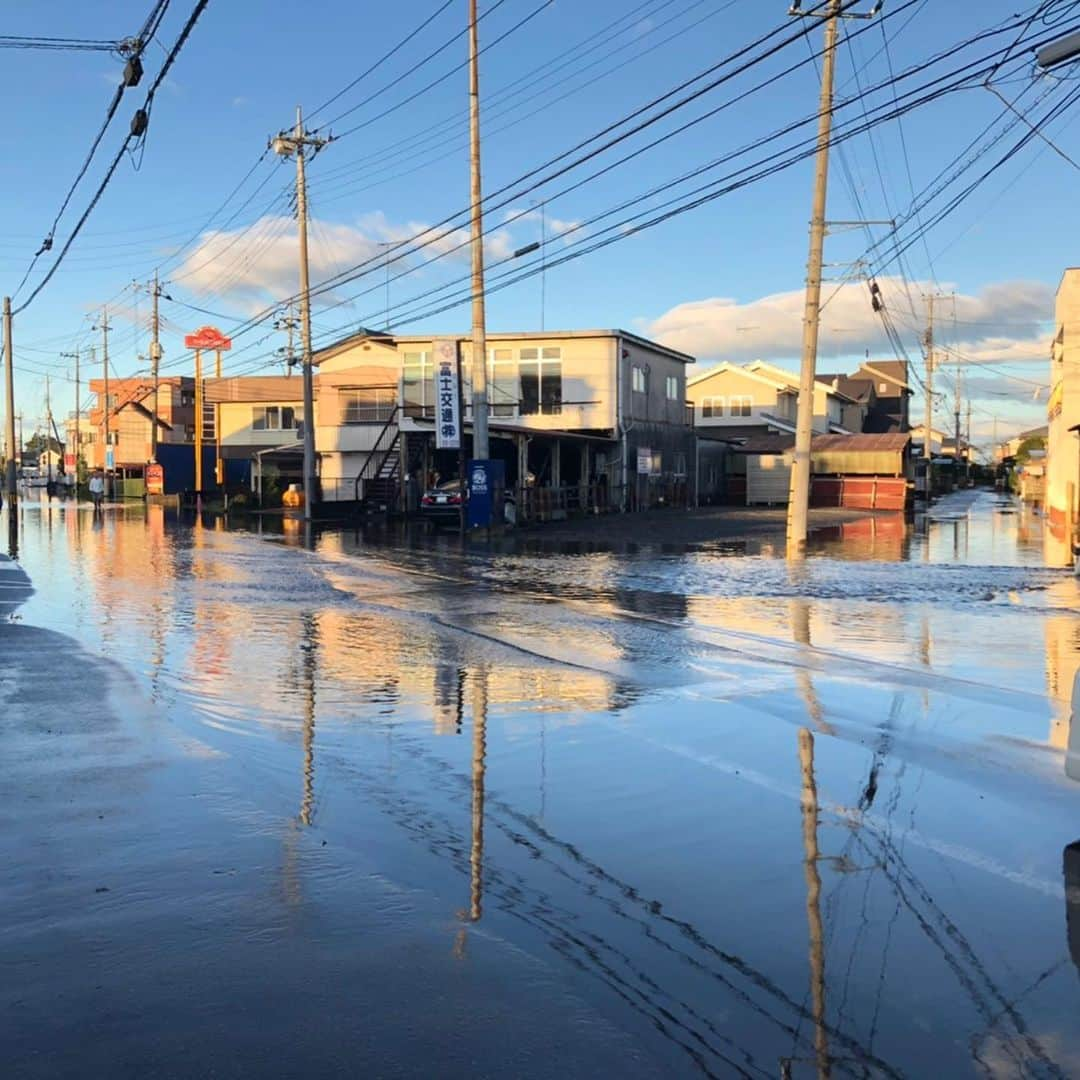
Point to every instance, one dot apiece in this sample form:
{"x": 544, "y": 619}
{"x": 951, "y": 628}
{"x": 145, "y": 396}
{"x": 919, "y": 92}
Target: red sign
{"x": 208, "y": 337}
{"x": 155, "y": 480}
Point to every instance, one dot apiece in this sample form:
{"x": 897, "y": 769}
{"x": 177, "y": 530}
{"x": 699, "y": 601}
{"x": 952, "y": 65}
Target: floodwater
{"x": 392, "y": 807}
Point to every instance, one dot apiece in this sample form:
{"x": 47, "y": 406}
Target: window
{"x": 540, "y": 372}
{"x": 367, "y": 406}
{"x": 276, "y": 417}
{"x": 672, "y": 385}
{"x": 640, "y": 380}
{"x": 741, "y": 406}
{"x": 187, "y": 398}
{"x": 712, "y": 407}
{"x": 418, "y": 384}
{"x": 883, "y": 388}
{"x": 502, "y": 383}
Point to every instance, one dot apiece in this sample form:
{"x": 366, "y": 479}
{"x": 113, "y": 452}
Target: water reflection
{"x": 657, "y": 699}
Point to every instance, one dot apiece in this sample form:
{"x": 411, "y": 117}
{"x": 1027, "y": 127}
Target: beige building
{"x": 603, "y": 410}
{"x": 1063, "y": 410}
{"x": 761, "y": 399}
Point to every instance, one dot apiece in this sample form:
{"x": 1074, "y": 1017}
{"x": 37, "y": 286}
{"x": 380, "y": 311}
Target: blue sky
{"x": 724, "y": 280}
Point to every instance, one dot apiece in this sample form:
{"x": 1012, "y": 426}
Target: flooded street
{"x": 392, "y": 807}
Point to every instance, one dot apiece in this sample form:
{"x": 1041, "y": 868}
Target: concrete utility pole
{"x": 286, "y": 146}
{"x": 48, "y": 430}
{"x": 11, "y": 477}
{"x": 956, "y": 414}
{"x": 929, "y": 431}
{"x": 105, "y": 365}
{"x": 479, "y": 319}
{"x": 799, "y": 500}
{"x": 78, "y": 444}
{"x": 155, "y": 362}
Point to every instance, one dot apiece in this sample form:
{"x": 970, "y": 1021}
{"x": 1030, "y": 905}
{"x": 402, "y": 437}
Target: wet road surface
{"x": 393, "y": 808}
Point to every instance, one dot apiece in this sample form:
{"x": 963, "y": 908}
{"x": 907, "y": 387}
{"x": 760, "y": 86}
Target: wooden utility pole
{"x": 11, "y": 476}
{"x": 479, "y": 318}
{"x": 956, "y": 415}
{"x": 287, "y": 145}
{"x": 799, "y": 500}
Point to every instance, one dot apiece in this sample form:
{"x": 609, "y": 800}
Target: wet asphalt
{"x": 387, "y": 806}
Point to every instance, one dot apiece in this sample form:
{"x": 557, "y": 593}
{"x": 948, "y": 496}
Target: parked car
{"x": 442, "y": 502}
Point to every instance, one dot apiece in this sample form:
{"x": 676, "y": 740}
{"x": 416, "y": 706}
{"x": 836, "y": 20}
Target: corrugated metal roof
{"x": 894, "y": 440}
{"x": 777, "y": 444}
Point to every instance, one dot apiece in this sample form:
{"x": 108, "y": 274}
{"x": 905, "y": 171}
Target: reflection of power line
{"x": 890, "y": 855}
{"x": 645, "y": 915}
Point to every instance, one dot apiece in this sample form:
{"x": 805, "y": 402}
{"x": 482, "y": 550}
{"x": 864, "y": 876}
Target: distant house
{"x": 762, "y": 399}
{"x": 129, "y": 413}
{"x": 882, "y": 392}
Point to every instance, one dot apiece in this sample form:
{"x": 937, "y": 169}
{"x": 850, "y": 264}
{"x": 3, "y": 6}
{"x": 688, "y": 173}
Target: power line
{"x": 138, "y": 130}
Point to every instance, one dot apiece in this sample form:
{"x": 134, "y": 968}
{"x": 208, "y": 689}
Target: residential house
{"x": 255, "y": 425}
{"x": 737, "y": 402}
{"x": 937, "y": 440}
{"x": 129, "y": 415}
{"x": 891, "y": 410}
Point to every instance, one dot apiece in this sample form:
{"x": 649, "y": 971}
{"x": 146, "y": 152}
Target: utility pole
{"x": 956, "y": 415}
{"x": 799, "y": 499}
{"x": 155, "y": 362}
{"x": 11, "y": 478}
{"x": 287, "y": 145}
{"x": 287, "y": 323}
{"x": 105, "y": 365}
{"x": 48, "y": 430}
{"x": 968, "y": 437}
{"x": 479, "y": 327}
{"x": 929, "y": 432}
{"x": 78, "y": 444}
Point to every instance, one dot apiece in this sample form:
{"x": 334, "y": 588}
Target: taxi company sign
{"x": 209, "y": 338}
{"x": 447, "y": 398}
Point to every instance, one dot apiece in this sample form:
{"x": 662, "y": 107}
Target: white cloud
{"x": 257, "y": 264}
{"x": 567, "y": 229}
{"x": 1002, "y": 323}
{"x": 240, "y": 102}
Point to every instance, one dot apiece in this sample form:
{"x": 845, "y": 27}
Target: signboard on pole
{"x": 447, "y": 396}
{"x": 208, "y": 337}
{"x": 110, "y": 457}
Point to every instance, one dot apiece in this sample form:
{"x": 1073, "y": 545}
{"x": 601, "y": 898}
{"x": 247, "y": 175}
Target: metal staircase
{"x": 378, "y": 481}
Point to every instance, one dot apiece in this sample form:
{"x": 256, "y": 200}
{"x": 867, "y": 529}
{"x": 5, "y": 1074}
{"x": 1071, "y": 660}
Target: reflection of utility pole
{"x": 813, "y": 899}
{"x": 479, "y": 752}
{"x": 309, "y": 645}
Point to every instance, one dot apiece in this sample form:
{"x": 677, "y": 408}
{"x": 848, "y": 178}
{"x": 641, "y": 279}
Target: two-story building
{"x": 761, "y": 399}
{"x": 1063, "y": 410}
{"x": 579, "y": 418}
{"x": 130, "y": 411}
